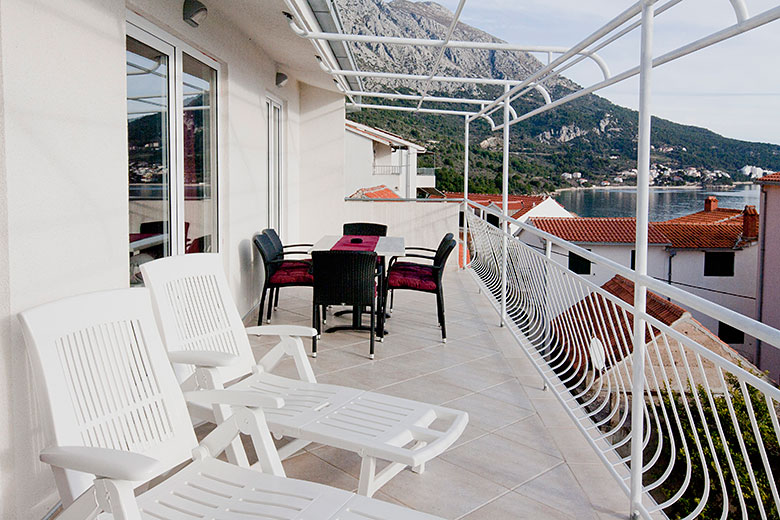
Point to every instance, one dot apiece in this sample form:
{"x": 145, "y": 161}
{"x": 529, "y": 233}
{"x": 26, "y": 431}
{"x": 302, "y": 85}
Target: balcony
{"x": 521, "y": 455}
{"x": 552, "y": 393}
{"x": 388, "y": 169}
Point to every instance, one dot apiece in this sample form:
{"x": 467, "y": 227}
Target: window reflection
{"x": 199, "y": 86}
{"x": 148, "y": 146}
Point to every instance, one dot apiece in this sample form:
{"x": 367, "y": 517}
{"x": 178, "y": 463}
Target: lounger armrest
{"x": 297, "y": 245}
{"x": 203, "y": 358}
{"x": 282, "y": 330}
{"x": 103, "y": 462}
{"x": 243, "y": 398}
{"x": 421, "y": 249}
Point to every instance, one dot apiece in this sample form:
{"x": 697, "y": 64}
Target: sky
{"x": 732, "y": 88}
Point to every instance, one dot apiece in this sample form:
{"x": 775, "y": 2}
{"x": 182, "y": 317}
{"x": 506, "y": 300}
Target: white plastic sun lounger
{"x": 120, "y": 420}
{"x": 201, "y": 326}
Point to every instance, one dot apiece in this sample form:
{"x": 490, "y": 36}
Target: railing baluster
{"x": 704, "y": 447}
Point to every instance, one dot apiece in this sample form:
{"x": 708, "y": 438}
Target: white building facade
{"x": 375, "y": 157}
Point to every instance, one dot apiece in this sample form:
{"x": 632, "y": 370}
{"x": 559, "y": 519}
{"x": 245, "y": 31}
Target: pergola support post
{"x": 465, "y": 193}
{"x": 640, "y": 289}
{"x": 504, "y": 208}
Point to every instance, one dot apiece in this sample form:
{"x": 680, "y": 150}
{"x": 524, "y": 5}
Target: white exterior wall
{"x": 360, "y": 156}
{"x": 322, "y": 137}
{"x": 63, "y": 180}
{"x": 688, "y": 268}
{"x": 657, "y": 260}
{"x": 769, "y": 274}
{"x": 404, "y": 218}
{"x": 547, "y": 208}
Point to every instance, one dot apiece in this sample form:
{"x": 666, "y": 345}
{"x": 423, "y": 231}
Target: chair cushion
{"x": 293, "y": 273}
{"x": 411, "y": 276}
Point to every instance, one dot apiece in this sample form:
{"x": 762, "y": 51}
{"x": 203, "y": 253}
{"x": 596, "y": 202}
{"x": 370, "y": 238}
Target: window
{"x": 275, "y": 185}
{"x": 719, "y": 263}
{"x": 172, "y": 146}
{"x": 578, "y": 265}
{"x": 633, "y": 259}
{"x": 729, "y": 334}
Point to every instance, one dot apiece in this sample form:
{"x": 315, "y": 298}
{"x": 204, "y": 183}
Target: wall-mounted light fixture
{"x": 281, "y": 79}
{"x": 194, "y": 12}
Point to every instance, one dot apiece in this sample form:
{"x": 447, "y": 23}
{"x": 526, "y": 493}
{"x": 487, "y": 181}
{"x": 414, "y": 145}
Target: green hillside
{"x": 607, "y": 146}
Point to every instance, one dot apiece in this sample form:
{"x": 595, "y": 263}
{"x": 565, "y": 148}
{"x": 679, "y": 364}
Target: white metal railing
{"x": 388, "y": 169}
{"x": 710, "y": 438}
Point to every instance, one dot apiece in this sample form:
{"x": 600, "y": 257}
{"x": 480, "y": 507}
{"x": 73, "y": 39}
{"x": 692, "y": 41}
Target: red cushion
{"x": 411, "y": 276}
{"x": 292, "y": 273}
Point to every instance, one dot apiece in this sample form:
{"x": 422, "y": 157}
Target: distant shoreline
{"x": 630, "y": 187}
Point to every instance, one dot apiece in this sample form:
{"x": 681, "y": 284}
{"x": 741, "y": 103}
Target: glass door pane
{"x": 149, "y": 153}
{"x": 199, "y": 141}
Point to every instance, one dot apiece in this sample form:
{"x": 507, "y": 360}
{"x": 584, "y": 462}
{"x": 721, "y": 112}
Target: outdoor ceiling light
{"x": 281, "y": 79}
{"x": 194, "y": 12}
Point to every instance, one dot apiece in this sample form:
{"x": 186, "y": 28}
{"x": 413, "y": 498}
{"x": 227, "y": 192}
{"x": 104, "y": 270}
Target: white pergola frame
{"x": 639, "y": 15}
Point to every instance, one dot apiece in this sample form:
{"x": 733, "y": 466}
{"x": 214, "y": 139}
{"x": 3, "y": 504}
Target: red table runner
{"x": 368, "y": 243}
{"x": 134, "y": 237}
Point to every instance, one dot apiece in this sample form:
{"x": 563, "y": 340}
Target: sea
{"x": 665, "y": 203}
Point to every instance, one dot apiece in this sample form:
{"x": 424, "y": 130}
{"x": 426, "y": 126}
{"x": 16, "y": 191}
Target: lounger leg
{"x": 276, "y": 300}
{"x": 421, "y": 468}
{"x": 367, "y": 471}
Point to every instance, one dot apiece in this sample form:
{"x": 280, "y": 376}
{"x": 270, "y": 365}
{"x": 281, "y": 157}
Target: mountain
{"x": 589, "y": 135}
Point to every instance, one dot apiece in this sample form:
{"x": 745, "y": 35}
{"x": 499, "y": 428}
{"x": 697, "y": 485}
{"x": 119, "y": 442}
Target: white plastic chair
{"x": 201, "y": 326}
{"x": 120, "y": 420}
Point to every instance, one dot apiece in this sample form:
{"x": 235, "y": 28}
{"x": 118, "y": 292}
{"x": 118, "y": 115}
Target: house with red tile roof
{"x": 373, "y": 156}
{"x": 597, "y": 351}
{"x": 377, "y": 192}
{"x": 711, "y": 253}
{"x": 519, "y": 207}
{"x": 768, "y": 275}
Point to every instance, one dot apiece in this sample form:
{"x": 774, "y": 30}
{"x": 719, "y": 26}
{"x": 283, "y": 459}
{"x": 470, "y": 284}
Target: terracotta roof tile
{"x": 616, "y": 337}
{"x": 702, "y": 236}
{"x": 607, "y": 230}
{"x": 377, "y": 192}
{"x": 716, "y": 216}
{"x": 517, "y": 205}
{"x": 772, "y": 178}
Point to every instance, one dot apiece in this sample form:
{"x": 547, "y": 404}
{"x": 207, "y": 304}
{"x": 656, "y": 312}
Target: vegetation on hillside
{"x": 540, "y": 152}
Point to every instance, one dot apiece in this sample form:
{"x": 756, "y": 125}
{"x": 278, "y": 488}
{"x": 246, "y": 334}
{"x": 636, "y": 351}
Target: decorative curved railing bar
{"x": 711, "y": 443}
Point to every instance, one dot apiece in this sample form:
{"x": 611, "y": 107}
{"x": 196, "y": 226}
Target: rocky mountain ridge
{"x": 589, "y": 135}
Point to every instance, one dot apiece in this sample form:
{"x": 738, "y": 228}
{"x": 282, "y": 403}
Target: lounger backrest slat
{"x": 100, "y": 362}
{"x": 195, "y": 310}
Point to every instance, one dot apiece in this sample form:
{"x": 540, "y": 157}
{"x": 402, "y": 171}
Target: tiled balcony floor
{"x": 520, "y": 457}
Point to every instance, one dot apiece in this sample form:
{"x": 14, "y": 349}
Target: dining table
{"x": 384, "y": 247}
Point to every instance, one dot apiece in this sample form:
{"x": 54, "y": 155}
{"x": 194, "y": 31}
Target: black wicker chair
{"x": 344, "y": 278}
{"x": 281, "y": 253}
{"x": 365, "y": 228}
{"x": 422, "y": 277}
{"x": 279, "y": 273}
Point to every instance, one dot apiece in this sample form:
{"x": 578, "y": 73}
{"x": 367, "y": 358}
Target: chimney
{"x": 750, "y": 222}
{"x": 711, "y": 204}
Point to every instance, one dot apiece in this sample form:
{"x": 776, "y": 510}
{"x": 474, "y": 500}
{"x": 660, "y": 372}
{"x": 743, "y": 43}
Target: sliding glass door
{"x": 172, "y": 148}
